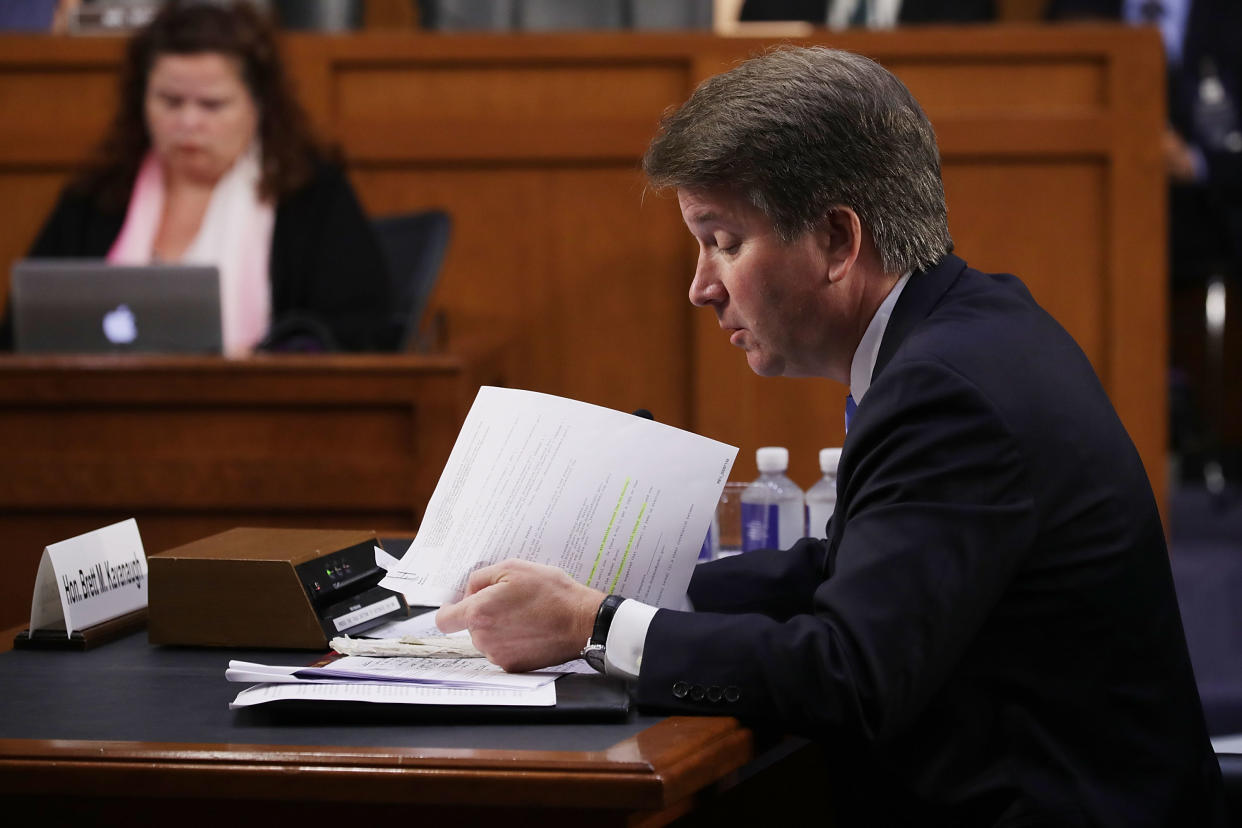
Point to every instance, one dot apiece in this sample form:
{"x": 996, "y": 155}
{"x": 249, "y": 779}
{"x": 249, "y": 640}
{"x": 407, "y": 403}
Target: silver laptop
{"x": 90, "y": 306}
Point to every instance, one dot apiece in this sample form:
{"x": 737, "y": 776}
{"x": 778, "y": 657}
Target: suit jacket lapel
{"x": 918, "y": 298}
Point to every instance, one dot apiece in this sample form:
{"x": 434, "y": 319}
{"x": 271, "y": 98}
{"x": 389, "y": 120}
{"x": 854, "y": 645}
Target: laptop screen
{"x": 90, "y": 306}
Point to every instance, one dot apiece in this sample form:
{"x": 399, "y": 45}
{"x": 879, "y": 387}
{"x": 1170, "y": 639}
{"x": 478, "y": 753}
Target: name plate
{"x": 89, "y": 579}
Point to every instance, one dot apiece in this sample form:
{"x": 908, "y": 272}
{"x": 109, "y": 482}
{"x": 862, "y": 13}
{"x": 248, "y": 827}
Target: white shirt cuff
{"x": 623, "y": 655}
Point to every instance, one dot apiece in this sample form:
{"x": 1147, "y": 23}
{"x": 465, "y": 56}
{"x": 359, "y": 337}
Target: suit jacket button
{"x": 696, "y": 693}
{"x": 714, "y": 693}
{"x": 680, "y": 689}
{"x": 732, "y": 693}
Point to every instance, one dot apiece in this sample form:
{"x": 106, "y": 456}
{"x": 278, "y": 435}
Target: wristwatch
{"x": 593, "y": 652}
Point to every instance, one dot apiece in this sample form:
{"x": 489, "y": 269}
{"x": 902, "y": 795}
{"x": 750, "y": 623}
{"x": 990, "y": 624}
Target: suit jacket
{"x": 327, "y": 270}
{"x": 989, "y": 634}
{"x": 1206, "y": 218}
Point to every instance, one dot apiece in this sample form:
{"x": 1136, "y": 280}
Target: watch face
{"x": 594, "y": 656}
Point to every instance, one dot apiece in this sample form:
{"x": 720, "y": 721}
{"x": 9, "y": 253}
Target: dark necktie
{"x": 850, "y": 408}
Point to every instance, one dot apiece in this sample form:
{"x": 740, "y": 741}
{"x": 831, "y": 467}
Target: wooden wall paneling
{"x": 537, "y": 161}
{"x": 625, "y": 329}
{"x": 1051, "y": 233}
{"x": 581, "y": 293}
{"x": 1049, "y": 138}
{"x": 509, "y": 111}
{"x": 391, "y": 14}
{"x": 310, "y": 73}
{"x": 27, "y": 195}
{"x": 1021, "y": 10}
{"x": 492, "y": 276}
{"x": 56, "y": 96}
{"x": 1020, "y": 84}
{"x": 1137, "y": 275}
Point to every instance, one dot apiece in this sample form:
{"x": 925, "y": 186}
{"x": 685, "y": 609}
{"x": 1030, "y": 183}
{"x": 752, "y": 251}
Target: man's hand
{"x": 1179, "y": 161}
{"x": 524, "y": 615}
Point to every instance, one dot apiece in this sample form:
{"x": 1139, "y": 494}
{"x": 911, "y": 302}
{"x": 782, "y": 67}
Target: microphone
{"x": 645, "y": 414}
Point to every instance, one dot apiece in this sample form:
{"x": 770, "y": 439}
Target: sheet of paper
{"x": 460, "y": 672}
{"x": 619, "y": 502}
{"x": 543, "y": 696}
{"x": 415, "y": 626}
{"x": 383, "y": 560}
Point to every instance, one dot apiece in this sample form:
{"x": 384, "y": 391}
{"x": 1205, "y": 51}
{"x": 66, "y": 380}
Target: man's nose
{"x": 705, "y": 287}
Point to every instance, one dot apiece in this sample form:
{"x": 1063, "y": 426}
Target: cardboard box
{"x": 241, "y": 588}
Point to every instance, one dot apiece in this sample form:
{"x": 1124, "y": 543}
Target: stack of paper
{"x": 465, "y": 681}
{"x": 456, "y": 681}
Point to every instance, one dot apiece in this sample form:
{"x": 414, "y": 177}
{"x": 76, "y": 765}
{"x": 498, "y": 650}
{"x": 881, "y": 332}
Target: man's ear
{"x": 840, "y": 235}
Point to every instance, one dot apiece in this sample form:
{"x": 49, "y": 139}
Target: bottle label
{"x": 760, "y": 526}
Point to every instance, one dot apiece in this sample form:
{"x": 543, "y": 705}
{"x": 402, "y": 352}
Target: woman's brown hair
{"x": 233, "y": 30}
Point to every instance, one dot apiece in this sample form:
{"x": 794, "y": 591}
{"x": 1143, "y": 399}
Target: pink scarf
{"x": 235, "y": 235}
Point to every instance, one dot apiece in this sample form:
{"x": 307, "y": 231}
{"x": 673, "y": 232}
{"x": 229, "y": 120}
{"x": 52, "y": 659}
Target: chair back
{"x": 414, "y": 245}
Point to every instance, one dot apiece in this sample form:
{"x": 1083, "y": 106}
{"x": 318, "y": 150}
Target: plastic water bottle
{"x": 773, "y": 514}
{"x": 707, "y": 551}
{"x": 821, "y": 498}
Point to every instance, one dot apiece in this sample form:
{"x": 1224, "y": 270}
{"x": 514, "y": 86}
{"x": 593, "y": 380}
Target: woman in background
{"x": 210, "y": 160}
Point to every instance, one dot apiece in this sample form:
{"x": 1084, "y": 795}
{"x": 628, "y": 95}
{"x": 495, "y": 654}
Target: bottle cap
{"x": 772, "y": 459}
{"x": 828, "y": 459}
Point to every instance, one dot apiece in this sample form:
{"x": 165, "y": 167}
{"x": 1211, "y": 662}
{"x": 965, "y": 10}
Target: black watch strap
{"x": 603, "y": 619}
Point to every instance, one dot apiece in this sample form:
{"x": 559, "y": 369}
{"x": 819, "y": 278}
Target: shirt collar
{"x": 869, "y": 347}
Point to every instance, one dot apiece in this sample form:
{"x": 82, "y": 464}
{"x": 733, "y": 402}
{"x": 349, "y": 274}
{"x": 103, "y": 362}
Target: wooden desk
{"x": 198, "y": 763}
{"x": 191, "y": 446}
{"x": 646, "y": 779}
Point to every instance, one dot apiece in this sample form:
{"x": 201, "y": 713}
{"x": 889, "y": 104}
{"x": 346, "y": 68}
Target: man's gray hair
{"x": 799, "y": 131}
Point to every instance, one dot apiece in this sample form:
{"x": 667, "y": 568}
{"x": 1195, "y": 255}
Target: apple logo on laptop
{"x": 119, "y": 326}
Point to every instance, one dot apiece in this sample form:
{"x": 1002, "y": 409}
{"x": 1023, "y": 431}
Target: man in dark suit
{"x": 988, "y": 635}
